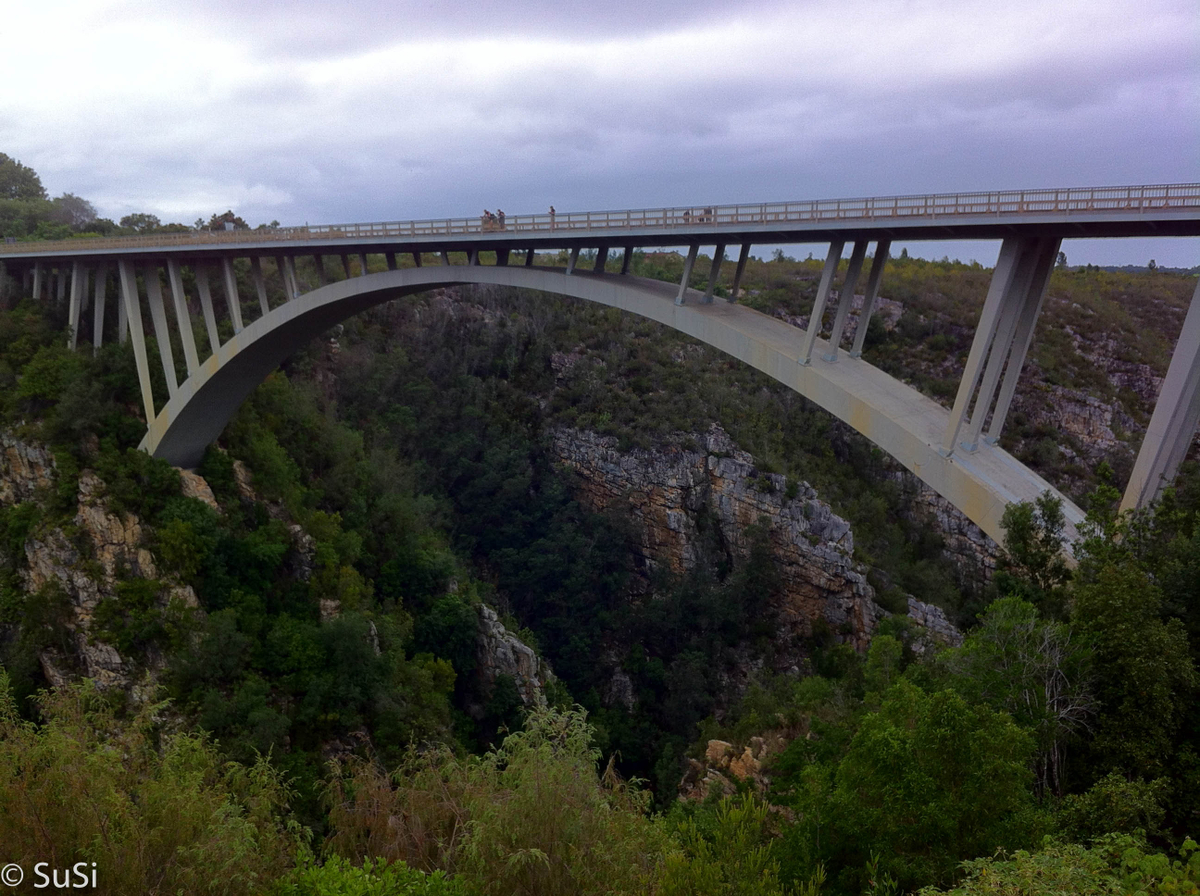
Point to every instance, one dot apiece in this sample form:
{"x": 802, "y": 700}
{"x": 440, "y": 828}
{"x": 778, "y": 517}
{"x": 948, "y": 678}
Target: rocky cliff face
{"x": 666, "y": 491}
{"x": 500, "y": 652}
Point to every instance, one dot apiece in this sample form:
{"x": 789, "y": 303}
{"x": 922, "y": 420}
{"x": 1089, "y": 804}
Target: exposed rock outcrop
{"x": 667, "y": 491}
{"x": 500, "y": 652}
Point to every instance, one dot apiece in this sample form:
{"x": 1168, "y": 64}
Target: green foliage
{"x": 531, "y": 816}
{"x": 1145, "y": 676}
{"x": 338, "y": 877}
{"x": 1116, "y": 864}
{"x": 19, "y": 181}
{"x": 156, "y": 812}
{"x": 729, "y": 853}
{"x": 1033, "y": 566}
{"x": 1116, "y": 805}
{"x": 927, "y": 781}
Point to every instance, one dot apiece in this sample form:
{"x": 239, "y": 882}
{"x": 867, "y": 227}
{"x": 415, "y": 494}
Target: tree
{"x": 218, "y": 222}
{"x": 928, "y": 781}
{"x": 74, "y": 211}
{"x": 18, "y": 181}
{"x": 1145, "y": 678}
{"x": 1036, "y": 670}
{"x": 141, "y": 222}
{"x": 1032, "y": 565}
{"x": 1062, "y": 259}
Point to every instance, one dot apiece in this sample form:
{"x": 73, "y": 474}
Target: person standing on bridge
{"x": 551, "y": 217}
{"x": 500, "y": 216}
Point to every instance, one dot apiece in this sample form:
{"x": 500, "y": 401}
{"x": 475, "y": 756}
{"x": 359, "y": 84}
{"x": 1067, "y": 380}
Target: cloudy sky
{"x": 365, "y": 111}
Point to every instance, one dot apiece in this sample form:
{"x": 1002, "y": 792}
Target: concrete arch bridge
{"x": 954, "y": 451}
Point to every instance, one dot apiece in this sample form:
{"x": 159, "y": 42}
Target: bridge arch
{"x": 897, "y": 418}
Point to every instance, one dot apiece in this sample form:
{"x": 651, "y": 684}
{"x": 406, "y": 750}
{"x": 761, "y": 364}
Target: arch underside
{"x": 897, "y": 418}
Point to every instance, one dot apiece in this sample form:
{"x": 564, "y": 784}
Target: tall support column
{"x": 1174, "y": 420}
{"x": 322, "y": 279}
{"x": 818, "y": 312}
{"x": 687, "y": 274}
{"x": 846, "y": 297}
{"x": 38, "y": 276}
{"x": 362, "y": 262}
{"x": 446, "y": 258}
{"x": 601, "y": 259}
{"x": 206, "y": 306}
{"x": 627, "y": 259}
{"x": 985, "y": 332}
{"x": 231, "y": 295}
{"x": 473, "y": 258}
{"x": 1010, "y": 315}
{"x": 289, "y": 265}
{"x": 183, "y": 317}
{"x": 98, "y": 307}
{"x": 502, "y": 258}
{"x": 122, "y": 319}
{"x": 346, "y": 265}
{"x": 281, "y": 267}
{"x": 390, "y": 258}
{"x": 870, "y": 294}
{"x": 260, "y": 284}
{"x": 78, "y": 285}
{"x": 743, "y": 256}
{"x": 133, "y": 312}
{"x": 574, "y": 258}
{"x": 715, "y": 271}
{"x": 60, "y": 286}
{"x": 416, "y": 259}
{"x": 1047, "y": 255}
{"x": 529, "y": 258}
{"x": 162, "y": 335}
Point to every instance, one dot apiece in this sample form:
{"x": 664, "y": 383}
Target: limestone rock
{"x": 195, "y": 486}
{"x": 500, "y": 652}
{"x": 25, "y": 469}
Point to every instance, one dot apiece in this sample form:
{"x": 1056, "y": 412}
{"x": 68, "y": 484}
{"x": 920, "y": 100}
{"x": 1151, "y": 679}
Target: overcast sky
{"x": 335, "y": 112}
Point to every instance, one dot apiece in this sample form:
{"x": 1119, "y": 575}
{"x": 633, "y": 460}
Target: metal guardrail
{"x": 1083, "y": 200}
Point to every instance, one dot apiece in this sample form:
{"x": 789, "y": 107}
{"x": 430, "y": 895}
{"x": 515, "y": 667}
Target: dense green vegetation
{"x": 319, "y": 723}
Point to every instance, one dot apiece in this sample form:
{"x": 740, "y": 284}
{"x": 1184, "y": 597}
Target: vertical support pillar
{"x": 870, "y": 294}
{"x": 687, "y": 273}
{"x": 122, "y": 318}
{"x": 601, "y": 260}
{"x": 529, "y": 258}
{"x": 78, "y": 285}
{"x": 715, "y": 271}
{"x": 133, "y": 313}
{"x": 362, "y": 262}
{"x": 281, "y": 267}
{"x": 846, "y": 297}
{"x": 390, "y": 258}
{"x": 743, "y": 256}
{"x": 289, "y": 264}
{"x": 322, "y": 280}
{"x": 98, "y": 307}
{"x": 501, "y": 258}
{"x": 346, "y": 265}
{"x": 60, "y": 287}
{"x": 206, "y": 306}
{"x": 416, "y": 259}
{"x": 1010, "y": 315}
{"x": 572, "y": 260}
{"x": 38, "y": 276}
{"x": 231, "y": 295}
{"x": 446, "y": 258}
{"x": 182, "y": 317}
{"x": 162, "y": 335}
{"x": 818, "y": 312}
{"x": 1174, "y": 420}
{"x": 260, "y": 284}
{"x": 1048, "y": 254}
{"x": 989, "y": 320}
{"x": 473, "y": 258}
{"x": 627, "y": 259}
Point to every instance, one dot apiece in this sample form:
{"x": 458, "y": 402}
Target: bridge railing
{"x": 1085, "y": 200}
